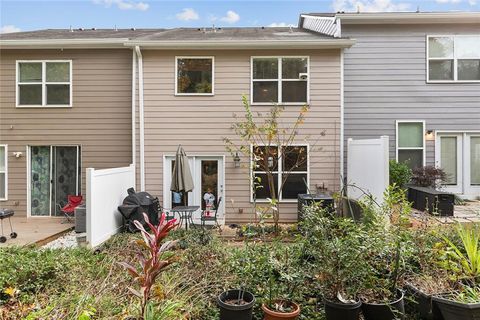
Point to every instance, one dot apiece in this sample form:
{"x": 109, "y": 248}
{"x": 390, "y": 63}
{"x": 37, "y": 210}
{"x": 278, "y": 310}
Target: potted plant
{"x": 283, "y": 281}
{"x": 426, "y": 278}
{"x": 388, "y": 250}
{"x": 381, "y": 298}
{"x": 236, "y": 305}
{"x": 463, "y": 262}
{"x": 336, "y": 246}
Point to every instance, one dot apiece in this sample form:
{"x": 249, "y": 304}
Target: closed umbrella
{"x": 182, "y": 180}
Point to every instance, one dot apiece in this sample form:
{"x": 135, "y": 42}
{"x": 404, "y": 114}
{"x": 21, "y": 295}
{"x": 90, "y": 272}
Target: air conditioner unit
{"x": 303, "y": 76}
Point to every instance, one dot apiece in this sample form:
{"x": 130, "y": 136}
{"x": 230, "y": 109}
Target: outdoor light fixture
{"x": 270, "y": 162}
{"x": 236, "y": 160}
{"x": 429, "y": 134}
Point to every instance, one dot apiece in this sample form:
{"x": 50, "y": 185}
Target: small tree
{"x": 266, "y": 141}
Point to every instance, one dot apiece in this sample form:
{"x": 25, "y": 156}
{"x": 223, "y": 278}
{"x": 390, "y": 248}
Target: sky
{"x": 22, "y": 15}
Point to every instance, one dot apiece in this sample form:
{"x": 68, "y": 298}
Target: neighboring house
{"x": 65, "y": 105}
{"x": 187, "y": 85}
{"x": 416, "y": 78}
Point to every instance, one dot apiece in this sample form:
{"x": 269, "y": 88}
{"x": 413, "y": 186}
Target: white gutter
{"x": 245, "y": 44}
{"x": 134, "y": 88}
{"x": 63, "y": 43}
{"x": 410, "y": 18}
{"x": 141, "y": 115}
{"x": 176, "y": 44}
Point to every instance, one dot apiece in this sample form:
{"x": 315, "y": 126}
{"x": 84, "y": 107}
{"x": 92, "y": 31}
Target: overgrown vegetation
{"x": 400, "y": 173}
{"x": 332, "y": 258}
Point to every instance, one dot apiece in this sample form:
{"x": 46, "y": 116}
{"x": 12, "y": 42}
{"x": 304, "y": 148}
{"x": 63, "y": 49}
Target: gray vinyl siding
{"x": 385, "y": 80}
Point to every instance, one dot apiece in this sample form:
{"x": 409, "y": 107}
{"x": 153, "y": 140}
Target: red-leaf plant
{"x": 152, "y": 261}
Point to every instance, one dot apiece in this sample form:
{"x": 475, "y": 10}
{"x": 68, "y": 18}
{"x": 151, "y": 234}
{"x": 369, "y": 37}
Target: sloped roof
{"x": 259, "y": 37}
{"x": 78, "y": 34}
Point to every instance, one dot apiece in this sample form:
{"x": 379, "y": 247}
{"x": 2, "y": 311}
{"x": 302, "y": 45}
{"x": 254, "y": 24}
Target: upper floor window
{"x": 3, "y": 172}
{"x": 44, "y": 83}
{"x": 280, "y": 80}
{"x": 454, "y": 58}
{"x": 194, "y": 76}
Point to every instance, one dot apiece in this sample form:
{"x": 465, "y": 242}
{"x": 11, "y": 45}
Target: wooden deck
{"x": 34, "y": 230}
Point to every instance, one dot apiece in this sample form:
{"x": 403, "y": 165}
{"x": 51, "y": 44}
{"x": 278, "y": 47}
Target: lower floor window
{"x": 288, "y": 168}
{"x": 411, "y": 143}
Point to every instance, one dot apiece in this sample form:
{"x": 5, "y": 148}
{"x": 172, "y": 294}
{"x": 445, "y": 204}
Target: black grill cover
{"x": 133, "y": 207}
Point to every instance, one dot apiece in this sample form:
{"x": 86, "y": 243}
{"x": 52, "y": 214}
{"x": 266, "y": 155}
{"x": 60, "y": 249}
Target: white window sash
{"x": 279, "y": 80}
{"x": 280, "y": 172}
{"x": 454, "y": 59}
{"x": 422, "y": 148}
{"x": 192, "y": 93}
{"x": 43, "y": 83}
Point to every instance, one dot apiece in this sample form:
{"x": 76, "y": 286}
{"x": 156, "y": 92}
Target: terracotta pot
{"x": 274, "y": 315}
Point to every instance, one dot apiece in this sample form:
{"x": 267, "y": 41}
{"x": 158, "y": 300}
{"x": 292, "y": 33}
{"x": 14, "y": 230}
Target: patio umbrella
{"x": 182, "y": 180}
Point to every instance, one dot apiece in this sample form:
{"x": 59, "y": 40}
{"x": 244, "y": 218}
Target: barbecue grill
{"x": 133, "y": 207}
{"x": 4, "y": 214}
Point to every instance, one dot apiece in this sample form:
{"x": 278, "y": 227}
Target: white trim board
{"x": 5, "y": 146}
{"x": 43, "y": 83}
{"x": 192, "y": 58}
{"x": 410, "y": 148}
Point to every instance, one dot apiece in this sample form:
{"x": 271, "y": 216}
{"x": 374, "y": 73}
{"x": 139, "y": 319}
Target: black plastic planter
{"x": 385, "y": 311}
{"x": 452, "y": 310}
{"x": 342, "y": 311}
{"x": 422, "y": 304}
{"x": 235, "y": 312}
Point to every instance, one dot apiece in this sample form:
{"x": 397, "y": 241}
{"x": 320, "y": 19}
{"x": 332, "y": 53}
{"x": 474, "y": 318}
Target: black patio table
{"x": 185, "y": 213}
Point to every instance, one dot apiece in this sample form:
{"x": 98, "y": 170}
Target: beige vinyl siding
{"x": 99, "y": 120}
{"x": 200, "y": 122}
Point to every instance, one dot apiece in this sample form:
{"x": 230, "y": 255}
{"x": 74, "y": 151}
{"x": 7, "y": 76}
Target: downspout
{"x": 342, "y": 109}
{"x": 141, "y": 115}
{"x": 342, "y": 123}
{"x": 134, "y": 89}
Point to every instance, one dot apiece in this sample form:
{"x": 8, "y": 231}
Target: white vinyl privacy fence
{"x": 106, "y": 190}
{"x": 367, "y": 167}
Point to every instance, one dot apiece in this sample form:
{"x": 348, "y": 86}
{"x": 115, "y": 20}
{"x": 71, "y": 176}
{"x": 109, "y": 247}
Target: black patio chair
{"x": 204, "y": 217}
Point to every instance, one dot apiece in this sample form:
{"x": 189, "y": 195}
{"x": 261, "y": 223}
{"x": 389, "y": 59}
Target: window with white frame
{"x": 280, "y": 80}
{"x": 194, "y": 76}
{"x": 454, "y": 58}
{"x": 3, "y": 171}
{"x": 44, "y": 83}
{"x": 288, "y": 166}
{"x": 411, "y": 143}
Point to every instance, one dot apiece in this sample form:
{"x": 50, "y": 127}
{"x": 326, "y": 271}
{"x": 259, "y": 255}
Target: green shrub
{"x": 400, "y": 173}
{"x": 29, "y": 270}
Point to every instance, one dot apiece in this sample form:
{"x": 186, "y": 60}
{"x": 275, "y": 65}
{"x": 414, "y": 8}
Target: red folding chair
{"x": 69, "y": 209}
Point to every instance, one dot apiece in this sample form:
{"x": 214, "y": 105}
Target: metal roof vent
{"x": 133, "y": 29}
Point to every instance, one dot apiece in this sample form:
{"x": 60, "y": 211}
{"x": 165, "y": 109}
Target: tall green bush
{"x": 400, "y": 173}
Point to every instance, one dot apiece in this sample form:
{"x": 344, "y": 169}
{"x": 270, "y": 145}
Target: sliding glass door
{"x": 54, "y": 174}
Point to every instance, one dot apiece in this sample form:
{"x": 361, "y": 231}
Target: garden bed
{"x": 331, "y": 256}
